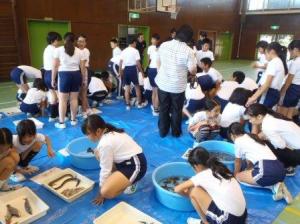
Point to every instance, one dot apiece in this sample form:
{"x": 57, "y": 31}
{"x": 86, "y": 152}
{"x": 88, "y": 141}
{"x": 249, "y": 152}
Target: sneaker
{"x": 51, "y": 119}
{"x": 142, "y": 105}
{"x": 60, "y": 125}
{"x": 191, "y": 220}
{"x": 74, "y": 122}
{"x": 277, "y": 190}
{"x": 155, "y": 113}
{"x": 127, "y": 107}
{"x": 119, "y": 97}
{"x": 17, "y": 177}
{"x": 131, "y": 189}
{"x": 286, "y": 194}
{"x": 290, "y": 171}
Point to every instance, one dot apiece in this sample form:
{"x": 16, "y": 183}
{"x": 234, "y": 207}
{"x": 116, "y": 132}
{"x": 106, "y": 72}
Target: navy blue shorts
{"x": 152, "y": 72}
{"x": 206, "y": 82}
{"x": 222, "y": 102}
{"x": 29, "y": 108}
{"x": 271, "y": 98}
{"x": 195, "y": 105}
{"x": 131, "y": 75}
{"x": 268, "y": 172}
{"x": 214, "y": 215}
{"x": 48, "y": 79}
{"x": 113, "y": 68}
{"x": 69, "y": 81}
{"x": 292, "y": 96}
{"x": 18, "y": 76}
{"x": 134, "y": 168}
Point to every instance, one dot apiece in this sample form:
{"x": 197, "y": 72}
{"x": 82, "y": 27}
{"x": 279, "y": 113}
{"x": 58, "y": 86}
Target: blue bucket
{"x": 167, "y": 198}
{"x": 79, "y": 157}
{"x": 220, "y": 146}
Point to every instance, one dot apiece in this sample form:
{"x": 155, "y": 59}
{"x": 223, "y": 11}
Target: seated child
{"x": 195, "y": 99}
{"x": 9, "y": 160}
{"x": 28, "y": 144}
{"x": 245, "y": 82}
{"x": 205, "y": 125}
{"x": 264, "y": 168}
{"x": 97, "y": 90}
{"x": 234, "y": 110}
{"x": 35, "y": 100}
{"x": 213, "y": 191}
{"x": 205, "y": 52}
{"x": 122, "y": 160}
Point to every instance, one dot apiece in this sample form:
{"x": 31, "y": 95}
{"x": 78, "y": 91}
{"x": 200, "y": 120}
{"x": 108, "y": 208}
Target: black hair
{"x": 294, "y": 44}
{"x": 259, "y": 109}
{"x": 156, "y": 36}
{"x": 52, "y": 37}
{"x": 240, "y": 96}
{"x": 39, "y": 84}
{"x": 206, "y": 61}
{"x": 192, "y": 79}
{"x": 69, "y": 43}
{"x": 132, "y": 39}
{"x": 210, "y": 104}
{"x": 262, "y": 44}
{"x": 82, "y": 35}
{"x": 203, "y": 33}
{"x": 6, "y": 137}
{"x": 173, "y": 30}
{"x": 281, "y": 52}
{"x": 200, "y": 156}
{"x": 94, "y": 122}
{"x": 140, "y": 34}
{"x": 114, "y": 40}
{"x": 206, "y": 41}
{"x": 239, "y": 76}
{"x": 184, "y": 34}
{"x": 105, "y": 75}
{"x": 26, "y": 127}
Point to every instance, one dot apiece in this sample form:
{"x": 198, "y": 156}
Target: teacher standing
{"x": 175, "y": 59}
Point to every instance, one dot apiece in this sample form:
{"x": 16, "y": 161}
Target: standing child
{"x": 20, "y": 75}
{"x": 271, "y": 82}
{"x": 195, "y": 98}
{"x": 9, "y": 160}
{"x": 152, "y": 72}
{"x": 53, "y": 39}
{"x": 264, "y": 170}
{"x": 262, "y": 62}
{"x": 213, "y": 191}
{"x": 130, "y": 65}
{"x": 28, "y": 144}
{"x": 291, "y": 88}
{"x": 122, "y": 160}
{"x": 205, "y": 125}
{"x": 113, "y": 65}
{"x": 234, "y": 110}
{"x": 35, "y": 101}
{"x": 81, "y": 43}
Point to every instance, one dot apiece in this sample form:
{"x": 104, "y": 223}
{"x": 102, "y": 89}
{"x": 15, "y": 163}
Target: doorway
{"x": 124, "y": 31}
{"x": 223, "y": 46}
{"x": 37, "y": 33}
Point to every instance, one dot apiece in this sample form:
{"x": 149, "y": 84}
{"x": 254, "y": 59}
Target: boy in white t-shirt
{"x": 129, "y": 68}
{"x": 204, "y": 52}
{"x": 262, "y": 62}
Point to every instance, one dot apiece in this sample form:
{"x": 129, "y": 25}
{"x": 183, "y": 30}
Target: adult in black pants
{"x": 175, "y": 59}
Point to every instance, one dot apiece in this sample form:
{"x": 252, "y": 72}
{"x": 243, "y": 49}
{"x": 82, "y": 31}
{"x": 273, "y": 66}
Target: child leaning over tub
{"x": 122, "y": 160}
{"x": 9, "y": 160}
{"x": 205, "y": 125}
{"x": 211, "y": 191}
{"x": 264, "y": 170}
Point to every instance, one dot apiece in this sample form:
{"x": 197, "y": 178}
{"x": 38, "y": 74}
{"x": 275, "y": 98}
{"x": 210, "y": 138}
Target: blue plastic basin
{"x": 220, "y": 146}
{"x": 167, "y": 198}
{"x": 79, "y": 156}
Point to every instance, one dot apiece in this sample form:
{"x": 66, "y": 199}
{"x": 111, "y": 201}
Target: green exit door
{"x": 37, "y": 33}
{"x": 224, "y": 46}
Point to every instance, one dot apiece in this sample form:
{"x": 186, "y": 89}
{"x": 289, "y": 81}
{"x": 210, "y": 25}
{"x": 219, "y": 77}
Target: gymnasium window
{"x": 267, "y": 5}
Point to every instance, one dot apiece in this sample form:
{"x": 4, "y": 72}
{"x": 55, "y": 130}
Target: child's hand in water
{"x": 99, "y": 200}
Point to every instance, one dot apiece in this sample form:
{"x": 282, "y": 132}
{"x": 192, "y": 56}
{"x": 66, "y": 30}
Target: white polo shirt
{"x": 152, "y": 52}
{"x": 96, "y": 85}
{"x": 130, "y": 56}
{"x": 204, "y": 54}
{"x": 67, "y": 62}
{"x": 86, "y": 54}
{"x": 22, "y": 148}
{"x": 232, "y": 113}
{"x": 176, "y": 59}
{"x": 35, "y": 96}
{"x": 30, "y": 72}
{"x": 275, "y": 68}
{"x": 48, "y": 57}
{"x": 249, "y": 84}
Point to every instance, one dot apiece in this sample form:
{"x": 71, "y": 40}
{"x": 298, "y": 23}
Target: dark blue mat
{"x": 143, "y": 128}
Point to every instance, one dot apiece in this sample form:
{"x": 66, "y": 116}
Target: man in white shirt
{"x": 175, "y": 59}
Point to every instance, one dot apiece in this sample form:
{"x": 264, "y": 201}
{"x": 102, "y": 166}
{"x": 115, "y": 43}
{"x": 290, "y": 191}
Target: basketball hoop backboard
{"x": 168, "y": 6}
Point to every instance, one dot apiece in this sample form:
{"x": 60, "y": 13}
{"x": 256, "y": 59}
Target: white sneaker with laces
{"x": 127, "y": 107}
{"x": 74, "y": 123}
{"x": 60, "y": 125}
{"x": 52, "y": 119}
{"x": 191, "y": 220}
{"x": 131, "y": 189}
{"x": 17, "y": 177}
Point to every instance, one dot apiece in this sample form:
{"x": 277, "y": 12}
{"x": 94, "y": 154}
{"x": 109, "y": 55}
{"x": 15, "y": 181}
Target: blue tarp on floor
{"x": 142, "y": 126}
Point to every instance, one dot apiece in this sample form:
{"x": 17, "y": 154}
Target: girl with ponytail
{"x": 214, "y": 192}
{"x": 270, "y": 84}
{"x": 68, "y": 60}
{"x": 122, "y": 160}
{"x": 264, "y": 169}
